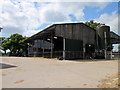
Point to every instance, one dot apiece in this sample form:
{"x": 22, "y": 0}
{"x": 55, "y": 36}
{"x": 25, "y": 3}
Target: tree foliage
{"x": 1, "y": 42}
{"x": 93, "y": 24}
{"x": 15, "y": 43}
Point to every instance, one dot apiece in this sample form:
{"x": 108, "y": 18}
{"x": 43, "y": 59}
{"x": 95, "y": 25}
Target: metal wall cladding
{"x": 73, "y": 49}
{"x": 88, "y": 35}
{"x": 43, "y": 44}
{"x": 77, "y": 31}
{"x": 73, "y": 45}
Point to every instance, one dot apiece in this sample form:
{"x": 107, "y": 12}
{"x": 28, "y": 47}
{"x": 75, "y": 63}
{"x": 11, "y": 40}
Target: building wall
{"x": 76, "y": 34}
{"x": 76, "y": 31}
{"x": 73, "y": 49}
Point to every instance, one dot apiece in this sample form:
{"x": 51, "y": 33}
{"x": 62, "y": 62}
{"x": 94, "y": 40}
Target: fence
{"x": 58, "y": 54}
{"x": 46, "y": 54}
{"x": 116, "y": 55}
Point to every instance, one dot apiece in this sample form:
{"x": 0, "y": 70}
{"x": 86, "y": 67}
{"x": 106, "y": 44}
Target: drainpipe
{"x": 105, "y": 45}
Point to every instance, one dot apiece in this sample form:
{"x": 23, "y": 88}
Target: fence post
{"x": 83, "y": 50}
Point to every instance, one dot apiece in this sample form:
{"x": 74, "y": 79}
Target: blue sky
{"x": 95, "y": 12}
{"x": 27, "y": 18}
{"x": 90, "y": 12}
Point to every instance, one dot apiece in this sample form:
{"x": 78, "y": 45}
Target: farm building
{"x": 71, "y": 41}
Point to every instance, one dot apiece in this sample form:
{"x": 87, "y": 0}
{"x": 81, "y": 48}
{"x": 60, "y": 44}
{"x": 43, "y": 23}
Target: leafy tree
{"x": 119, "y": 48}
{"x": 15, "y": 43}
{"x": 1, "y": 42}
{"x": 93, "y": 24}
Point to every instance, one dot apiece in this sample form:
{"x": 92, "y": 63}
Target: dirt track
{"x": 42, "y": 73}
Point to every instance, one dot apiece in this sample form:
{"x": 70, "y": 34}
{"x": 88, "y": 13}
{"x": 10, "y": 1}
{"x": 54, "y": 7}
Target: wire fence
{"x": 58, "y": 54}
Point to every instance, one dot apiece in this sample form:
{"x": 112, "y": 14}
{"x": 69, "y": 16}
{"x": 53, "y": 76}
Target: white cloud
{"x": 22, "y": 16}
{"x": 59, "y": 11}
{"x": 29, "y": 33}
{"x": 111, "y": 20}
{"x": 74, "y": 0}
{"x": 17, "y": 18}
{"x": 12, "y": 20}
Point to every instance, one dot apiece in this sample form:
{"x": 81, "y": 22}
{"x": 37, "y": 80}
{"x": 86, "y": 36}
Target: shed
{"x": 66, "y": 40}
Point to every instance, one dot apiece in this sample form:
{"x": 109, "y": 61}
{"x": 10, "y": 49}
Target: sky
{"x": 28, "y": 17}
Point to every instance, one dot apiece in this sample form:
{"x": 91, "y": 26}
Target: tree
{"x": 93, "y": 24}
{"x": 119, "y": 48}
{"x": 15, "y": 43}
{"x": 1, "y": 42}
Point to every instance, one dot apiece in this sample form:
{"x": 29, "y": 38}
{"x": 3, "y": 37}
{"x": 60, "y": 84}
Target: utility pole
{"x": 51, "y": 46}
{"x": 43, "y": 47}
{"x": 64, "y": 48}
{"x": 105, "y": 45}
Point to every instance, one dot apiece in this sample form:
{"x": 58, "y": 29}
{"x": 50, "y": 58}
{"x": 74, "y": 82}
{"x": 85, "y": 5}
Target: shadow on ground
{"x": 91, "y": 60}
{"x": 5, "y": 66}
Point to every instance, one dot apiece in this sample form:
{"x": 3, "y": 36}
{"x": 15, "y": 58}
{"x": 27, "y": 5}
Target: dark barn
{"x": 64, "y": 41}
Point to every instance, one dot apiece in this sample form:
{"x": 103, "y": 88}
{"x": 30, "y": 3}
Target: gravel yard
{"x": 24, "y": 72}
